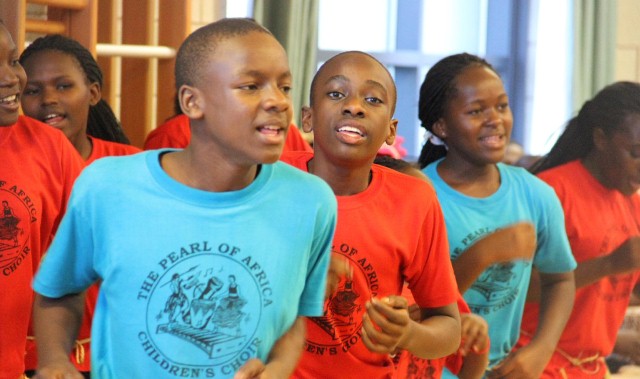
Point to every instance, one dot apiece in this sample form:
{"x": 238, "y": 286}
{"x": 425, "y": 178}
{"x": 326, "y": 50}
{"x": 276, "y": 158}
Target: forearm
{"x": 467, "y": 268}
{"x": 592, "y": 270}
{"x": 437, "y": 335}
{"x": 624, "y": 259}
{"x": 286, "y": 352}
{"x": 56, "y": 324}
{"x": 474, "y": 366}
{"x": 556, "y": 304}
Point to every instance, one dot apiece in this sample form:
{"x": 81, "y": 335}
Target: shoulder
{"x": 295, "y": 141}
{"x": 174, "y": 132}
{"x": 114, "y": 166}
{"x": 109, "y": 148}
{"x": 50, "y": 143}
{"x": 402, "y": 189}
{"x": 284, "y": 169}
{"x": 398, "y": 180}
{"x": 296, "y": 183}
{"x": 176, "y": 123}
{"x": 298, "y": 159}
{"x": 101, "y": 175}
{"x": 523, "y": 180}
{"x": 559, "y": 174}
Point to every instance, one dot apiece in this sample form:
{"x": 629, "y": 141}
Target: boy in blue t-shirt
{"x": 208, "y": 257}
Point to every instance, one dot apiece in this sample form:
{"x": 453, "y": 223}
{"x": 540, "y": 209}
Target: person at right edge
{"x": 594, "y": 168}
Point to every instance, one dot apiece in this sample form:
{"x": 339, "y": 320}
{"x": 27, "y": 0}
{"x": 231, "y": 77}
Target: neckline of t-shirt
{"x": 432, "y": 172}
{"x": 362, "y": 199}
{"x": 200, "y": 197}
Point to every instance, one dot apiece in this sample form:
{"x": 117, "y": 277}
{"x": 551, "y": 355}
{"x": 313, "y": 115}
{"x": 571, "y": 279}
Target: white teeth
{"x": 9, "y": 99}
{"x": 50, "y": 116}
{"x": 349, "y": 129}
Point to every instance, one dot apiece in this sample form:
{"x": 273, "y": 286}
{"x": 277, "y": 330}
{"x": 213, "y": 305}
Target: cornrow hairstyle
{"x": 437, "y": 89}
{"x": 102, "y": 122}
{"x": 199, "y": 45}
{"x": 606, "y": 111}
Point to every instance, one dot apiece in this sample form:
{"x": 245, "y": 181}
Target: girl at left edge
{"x": 63, "y": 89}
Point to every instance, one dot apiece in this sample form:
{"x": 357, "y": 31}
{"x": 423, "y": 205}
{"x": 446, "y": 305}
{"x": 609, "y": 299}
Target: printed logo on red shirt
{"x": 18, "y": 211}
{"x": 339, "y": 329}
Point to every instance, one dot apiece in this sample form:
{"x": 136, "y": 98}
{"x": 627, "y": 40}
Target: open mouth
{"x": 270, "y": 130}
{"x": 496, "y": 141}
{"x": 52, "y": 118}
{"x": 11, "y": 99}
{"x": 350, "y": 130}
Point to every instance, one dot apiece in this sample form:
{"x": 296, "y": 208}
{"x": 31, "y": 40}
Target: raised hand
{"x": 386, "y": 324}
{"x": 475, "y": 334}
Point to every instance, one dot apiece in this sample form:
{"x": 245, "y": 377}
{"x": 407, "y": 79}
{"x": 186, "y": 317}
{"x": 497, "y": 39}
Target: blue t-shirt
{"x": 193, "y": 283}
{"x": 499, "y": 293}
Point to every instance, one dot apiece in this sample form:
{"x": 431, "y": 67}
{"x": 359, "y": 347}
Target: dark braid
{"x": 438, "y": 87}
{"x": 102, "y": 122}
{"x": 607, "y": 111}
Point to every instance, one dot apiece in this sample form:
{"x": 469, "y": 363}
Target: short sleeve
{"x": 312, "y": 300}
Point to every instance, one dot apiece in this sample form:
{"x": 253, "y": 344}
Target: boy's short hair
{"x": 315, "y": 77}
{"x": 199, "y": 45}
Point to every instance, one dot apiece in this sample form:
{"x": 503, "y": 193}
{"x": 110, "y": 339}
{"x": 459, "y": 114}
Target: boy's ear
{"x": 94, "y": 93}
{"x": 440, "y": 129}
{"x": 393, "y": 130}
{"x": 189, "y": 99}
{"x": 600, "y": 139}
{"x": 306, "y": 119}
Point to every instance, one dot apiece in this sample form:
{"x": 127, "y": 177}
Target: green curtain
{"x": 295, "y": 24}
{"x": 594, "y": 49}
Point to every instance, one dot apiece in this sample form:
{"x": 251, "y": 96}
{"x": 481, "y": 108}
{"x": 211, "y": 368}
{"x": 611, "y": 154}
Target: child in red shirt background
{"x": 63, "y": 90}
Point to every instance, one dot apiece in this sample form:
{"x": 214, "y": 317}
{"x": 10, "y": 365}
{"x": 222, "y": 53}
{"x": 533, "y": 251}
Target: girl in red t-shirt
{"x": 63, "y": 90}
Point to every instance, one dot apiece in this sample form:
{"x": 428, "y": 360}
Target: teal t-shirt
{"x": 499, "y": 293}
{"x": 193, "y": 283}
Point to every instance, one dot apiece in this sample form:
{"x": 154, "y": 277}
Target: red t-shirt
{"x": 81, "y": 354}
{"x": 392, "y": 233}
{"x": 598, "y": 220}
{"x": 37, "y": 170}
{"x": 412, "y": 367}
{"x": 175, "y": 132}
{"x": 102, "y": 148}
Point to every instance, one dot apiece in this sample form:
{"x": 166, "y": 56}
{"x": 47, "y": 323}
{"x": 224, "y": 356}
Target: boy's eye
{"x": 15, "y": 62}
{"x": 286, "y": 89}
{"x": 374, "y": 100}
{"x": 30, "y": 91}
{"x": 63, "y": 86}
{"x": 503, "y": 107}
{"x": 250, "y": 87}
{"x": 474, "y": 112}
{"x": 335, "y": 95}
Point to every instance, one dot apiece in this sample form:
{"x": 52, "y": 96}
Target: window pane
{"x": 550, "y": 78}
{"x": 367, "y": 25}
{"x": 454, "y": 26}
{"x": 239, "y": 8}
